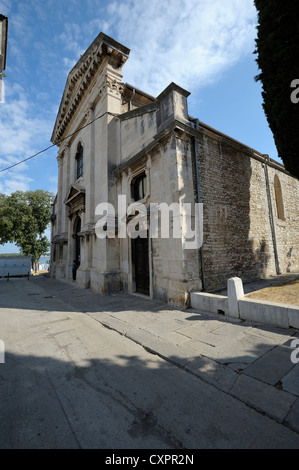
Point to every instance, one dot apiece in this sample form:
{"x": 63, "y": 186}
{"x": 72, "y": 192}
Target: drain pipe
{"x": 131, "y": 99}
{"x": 272, "y": 225}
{"x": 198, "y": 201}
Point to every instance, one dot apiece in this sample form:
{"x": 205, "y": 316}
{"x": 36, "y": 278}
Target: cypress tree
{"x": 277, "y": 49}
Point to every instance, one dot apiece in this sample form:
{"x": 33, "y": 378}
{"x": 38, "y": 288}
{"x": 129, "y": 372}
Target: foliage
{"x": 24, "y": 217}
{"x": 278, "y": 51}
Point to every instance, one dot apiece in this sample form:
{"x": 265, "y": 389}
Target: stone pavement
{"x": 247, "y": 361}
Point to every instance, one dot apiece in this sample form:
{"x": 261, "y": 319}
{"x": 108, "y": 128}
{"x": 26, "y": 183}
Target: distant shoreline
{"x": 19, "y": 255}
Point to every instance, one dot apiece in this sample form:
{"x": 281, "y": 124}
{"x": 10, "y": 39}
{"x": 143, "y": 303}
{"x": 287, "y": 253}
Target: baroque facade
{"x": 116, "y": 140}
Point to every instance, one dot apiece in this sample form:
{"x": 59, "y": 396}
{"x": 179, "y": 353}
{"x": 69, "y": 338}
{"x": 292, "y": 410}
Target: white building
{"x": 117, "y": 141}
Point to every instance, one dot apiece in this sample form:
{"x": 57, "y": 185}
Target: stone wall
{"x": 238, "y": 240}
{"x": 287, "y": 231}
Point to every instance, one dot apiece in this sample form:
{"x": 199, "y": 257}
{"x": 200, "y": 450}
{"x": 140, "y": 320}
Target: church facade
{"x": 122, "y": 149}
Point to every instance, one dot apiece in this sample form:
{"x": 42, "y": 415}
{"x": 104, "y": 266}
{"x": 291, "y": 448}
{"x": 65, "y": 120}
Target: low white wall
{"x": 282, "y": 315}
{"x": 238, "y": 306}
{"x": 209, "y": 302}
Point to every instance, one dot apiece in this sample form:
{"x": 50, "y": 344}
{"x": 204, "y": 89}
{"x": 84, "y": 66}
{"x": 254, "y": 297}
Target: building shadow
{"x": 122, "y": 401}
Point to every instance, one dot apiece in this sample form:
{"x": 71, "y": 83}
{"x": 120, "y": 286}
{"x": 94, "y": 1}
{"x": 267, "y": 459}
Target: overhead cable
{"x": 56, "y": 143}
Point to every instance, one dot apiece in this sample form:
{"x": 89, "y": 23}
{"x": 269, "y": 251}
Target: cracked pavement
{"x": 84, "y": 370}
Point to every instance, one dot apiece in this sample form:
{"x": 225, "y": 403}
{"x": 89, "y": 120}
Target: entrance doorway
{"x": 140, "y": 259}
{"x": 77, "y": 230}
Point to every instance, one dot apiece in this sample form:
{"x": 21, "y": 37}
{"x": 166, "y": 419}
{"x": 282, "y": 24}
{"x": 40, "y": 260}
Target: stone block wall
{"x": 238, "y": 240}
{"x": 286, "y": 231}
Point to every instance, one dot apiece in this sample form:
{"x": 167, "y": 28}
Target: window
{"x": 278, "y": 198}
{"x": 79, "y": 161}
{"x": 139, "y": 187}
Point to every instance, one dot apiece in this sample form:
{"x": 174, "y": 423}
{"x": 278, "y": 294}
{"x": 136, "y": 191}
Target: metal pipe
{"x": 198, "y": 201}
{"x": 131, "y": 99}
{"x": 272, "y": 225}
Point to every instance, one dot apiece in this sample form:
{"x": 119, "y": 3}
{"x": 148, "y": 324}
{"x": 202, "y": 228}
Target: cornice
{"x": 79, "y": 78}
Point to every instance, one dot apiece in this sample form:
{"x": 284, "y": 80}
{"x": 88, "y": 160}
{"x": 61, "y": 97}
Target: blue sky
{"x": 205, "y": 46}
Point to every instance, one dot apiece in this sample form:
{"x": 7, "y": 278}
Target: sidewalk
{"x": 247, "y": 361}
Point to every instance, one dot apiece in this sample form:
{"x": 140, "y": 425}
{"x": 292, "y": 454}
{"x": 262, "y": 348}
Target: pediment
{"x": 82, "y": 74}
{"x": 75, "y": 198}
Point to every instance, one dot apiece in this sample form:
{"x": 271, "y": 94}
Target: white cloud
{"x": 14, "y": 181}
{"x": 22, "y": 133}
{"x": 19, "y": 23}
{"x": 68, "y": 63}
{"x": 21, "y": 129}
{"x": 5, "y": 7}
{"x": 71, "y": 38}
{"x": 190, "y": 42}
{"x": 185, "y": 41}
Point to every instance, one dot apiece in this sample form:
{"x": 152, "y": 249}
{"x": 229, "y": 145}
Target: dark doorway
{"x": 77, "y": 241}
{"x": 141, "y": 264}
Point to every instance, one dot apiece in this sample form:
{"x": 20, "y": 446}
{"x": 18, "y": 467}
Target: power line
{"x": 56, "y": 143}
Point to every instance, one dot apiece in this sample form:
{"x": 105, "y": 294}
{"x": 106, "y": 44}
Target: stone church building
{"x": 115, "y": 139}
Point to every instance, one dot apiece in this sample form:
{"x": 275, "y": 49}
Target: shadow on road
{"x": 68, "y": 382}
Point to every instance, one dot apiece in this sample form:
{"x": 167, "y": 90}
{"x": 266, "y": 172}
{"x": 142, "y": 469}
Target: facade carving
{"x": 149, "y": 150}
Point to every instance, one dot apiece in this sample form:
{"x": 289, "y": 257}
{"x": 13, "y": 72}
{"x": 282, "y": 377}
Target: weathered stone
{"x": 271, "y": 367}
{"x": 292, "y": 420}
{"x": 128, "y": 136}
{"x": 235, "y": 293}
{"x": 275, "y": 403}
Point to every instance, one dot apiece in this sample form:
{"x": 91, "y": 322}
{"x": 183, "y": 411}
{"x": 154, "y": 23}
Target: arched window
{"x": 79, "y": 161}
{"x": 278, "y": 198}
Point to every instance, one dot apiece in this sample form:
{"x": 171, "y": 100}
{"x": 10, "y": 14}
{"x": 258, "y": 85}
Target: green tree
{"x": 24, "y": 217}
{"x": 277, "y": 49}
{"x": 6, "y": 224}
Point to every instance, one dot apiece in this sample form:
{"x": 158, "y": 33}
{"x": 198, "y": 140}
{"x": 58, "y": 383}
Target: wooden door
{"x": 141, "y": 264}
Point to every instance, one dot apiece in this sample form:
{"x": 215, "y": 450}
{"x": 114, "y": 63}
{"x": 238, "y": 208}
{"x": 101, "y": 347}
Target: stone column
{"x": 59, "y": 192}
{"x": 89, "y": 161}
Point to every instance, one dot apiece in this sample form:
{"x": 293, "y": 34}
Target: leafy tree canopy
{"x": 24, "y": 217}
{"x": 277, "y": 57}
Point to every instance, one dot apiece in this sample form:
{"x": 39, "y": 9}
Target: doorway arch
{"x": 77, "y": 241}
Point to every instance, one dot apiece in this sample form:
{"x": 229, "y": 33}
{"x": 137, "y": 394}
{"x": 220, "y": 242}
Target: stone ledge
{"x": 211, "y": 303}
{"x": 277, "y": 314}
{"x": 260, "y": 311}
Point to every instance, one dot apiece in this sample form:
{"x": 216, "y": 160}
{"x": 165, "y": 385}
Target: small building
{"x": 122, "y": 149}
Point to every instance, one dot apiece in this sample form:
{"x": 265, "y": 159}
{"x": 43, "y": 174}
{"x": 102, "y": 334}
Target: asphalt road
{"x": 69, "y": 382}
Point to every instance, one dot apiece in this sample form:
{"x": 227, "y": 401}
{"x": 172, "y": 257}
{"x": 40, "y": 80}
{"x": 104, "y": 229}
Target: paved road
{"x": 70, "y": 382}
